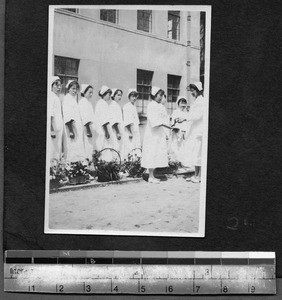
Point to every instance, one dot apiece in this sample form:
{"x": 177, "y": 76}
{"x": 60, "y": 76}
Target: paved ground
{"x": 171, "y": 206}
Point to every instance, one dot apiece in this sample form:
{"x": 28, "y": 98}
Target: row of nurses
{"x": 74, "y": 122}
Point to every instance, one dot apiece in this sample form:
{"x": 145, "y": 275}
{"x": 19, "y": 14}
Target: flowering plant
{"x": 58, "y": 171}
{"x": 173, "y": 163}
{"x": 132, "y": 165}
{"x": 77, "y": 168}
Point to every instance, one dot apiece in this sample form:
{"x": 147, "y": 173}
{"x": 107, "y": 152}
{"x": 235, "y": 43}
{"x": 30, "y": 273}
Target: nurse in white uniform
{"x": 131, "y": 124}
{"x": 74, "y": 144}
{"x": 87, "y": 116}
{"x": 194, "y": 143}
{"x": 154, "y": 151}
{"x": 116, "y": 121}
{"x": 57, "y": 123}
{"x": 102, "y": 121}
{"x": 180, "y": 129}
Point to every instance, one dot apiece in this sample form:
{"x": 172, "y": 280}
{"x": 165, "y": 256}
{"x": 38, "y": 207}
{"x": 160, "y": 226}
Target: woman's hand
{"x": 72, "y": 135}
{"x": 107, "y": 135}
{"x": 53, "y": 135}
{"x": 118, "y": 136}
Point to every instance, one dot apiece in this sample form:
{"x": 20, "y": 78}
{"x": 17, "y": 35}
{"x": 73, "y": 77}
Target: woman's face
{"x": 107, "y": 96}
{"x": 133, "y": 98}
{"x": 194, "y": 93}
{"x": 182, "y": 106}
{"x": 56, "y": 88}
{"x": 118, "y": 96}
{"x": 89, "y": 93}
{"x": 73, "y": 90}
{"x": 158, "y": 97}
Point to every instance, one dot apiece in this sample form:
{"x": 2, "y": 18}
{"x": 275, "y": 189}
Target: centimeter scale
{"x": 139, "y": 272}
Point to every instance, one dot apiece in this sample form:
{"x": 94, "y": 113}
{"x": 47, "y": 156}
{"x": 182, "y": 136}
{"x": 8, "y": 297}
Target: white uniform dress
{"x": 101, "y": 117}
{"x": 87, "y": 116}
{"x": 55, "y": 111}
{"x": 154, "y": 151}
{"x": 73, "y": 148}
{"x": 115, "y": 112}
{"x": 178, "y": 140}
{"x": 130, "y": 116}
{"x": 193, "y": 145}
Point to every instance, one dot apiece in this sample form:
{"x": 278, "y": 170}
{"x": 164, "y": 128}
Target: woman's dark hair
{"x": 161, "y": 92}
{"x": 106, "y": 92}
{"x": 56, "y": 82}
{"x": 132, "y": 94}
{"x": 193, "y": 87}
{"x": 182, "y": 100}
{"x": 118, "y": 90}
{"x": 72, "y": 84}
{"x": 89, "y": 87}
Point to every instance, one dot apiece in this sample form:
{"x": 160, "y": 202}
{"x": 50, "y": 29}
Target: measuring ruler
{"x": 135, "y": 272}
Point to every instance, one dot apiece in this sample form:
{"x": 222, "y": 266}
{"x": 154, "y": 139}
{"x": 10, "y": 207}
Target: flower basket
{"x": 132, "y": 165}
{"x": 108, "y": 164}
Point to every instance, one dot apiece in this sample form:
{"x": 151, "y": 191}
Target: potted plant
{"x": 77, "y": 171}
{"x": 107, "y": 164}
{"x": 58, "y": 175}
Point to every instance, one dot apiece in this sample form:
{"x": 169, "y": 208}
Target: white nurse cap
{"x": 198, "y": 85}
{"x": 84, "y": 87}
{"x": 179, "y": 98}
{"x": 131, "y": 91}
{"x": 155, "y": 90}
{"x": 54, "y": 79}
{"x": 103, "y": 90}
{"x": 69, "y": 82}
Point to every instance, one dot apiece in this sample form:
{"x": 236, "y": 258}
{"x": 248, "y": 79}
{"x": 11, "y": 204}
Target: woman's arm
{"x": 88, "y": 129}
{"x": 106, "y": 130}
{"x": 129, "y": 128}
{"x": 70, "y": 127}
{"x": 117, "y": 130}
{"x": 53, "y": 135}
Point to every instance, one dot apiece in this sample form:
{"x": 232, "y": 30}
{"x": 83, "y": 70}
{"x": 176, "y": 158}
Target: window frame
{"x": 116, "y": 21}
{"x": 174, "y": 14}
{"x": 65, "y": 75}
{"x": 141, "y": 20}
{"x": 144, "y": 80}
{"x": 173, "y": 90}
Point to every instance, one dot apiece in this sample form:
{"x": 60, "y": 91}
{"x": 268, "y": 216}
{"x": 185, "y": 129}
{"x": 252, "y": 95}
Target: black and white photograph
{"x": 127, "y": 120}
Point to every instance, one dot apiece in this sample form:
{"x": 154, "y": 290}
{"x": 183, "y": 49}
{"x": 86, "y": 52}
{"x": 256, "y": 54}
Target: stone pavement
{"x": 139, "y": 207}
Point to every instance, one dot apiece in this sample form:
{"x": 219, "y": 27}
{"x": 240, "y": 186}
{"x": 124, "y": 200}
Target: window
{"x": 75, "y": 10}
{"x": 202, "y": 46}
{"x": 67, "y": 69}
{"x": 144, "y": 20}
{"x": 173, "y": 83}
{"x": 173, "y": 26}
{"x": 109, "y": 15}
{"x": 144, "y": 85}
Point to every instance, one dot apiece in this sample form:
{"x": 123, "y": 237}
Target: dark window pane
{"x": 144, "y": 20}
{"x": 109, "y": 15}
{"x": 173, "y": 27}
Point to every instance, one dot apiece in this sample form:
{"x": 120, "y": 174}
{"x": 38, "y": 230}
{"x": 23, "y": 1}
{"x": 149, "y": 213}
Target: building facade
{"x": 129, "y": 49}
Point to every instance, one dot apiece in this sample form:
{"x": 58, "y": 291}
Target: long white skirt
{"x": 193, "y": 152}
{"x": 56, "y": 145}
{"x": 154, "y": 151}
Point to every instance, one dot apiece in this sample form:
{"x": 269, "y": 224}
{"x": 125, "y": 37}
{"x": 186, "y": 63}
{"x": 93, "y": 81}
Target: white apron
{"x": 73, "y": 148}
{"x": 115, "y": 112}
{"x": 55, "y": 111}
{"x": 154, "y": 151}
{"x": 87, "y": 115}
{"x": 131, "y": 117}
{"x": 193, "y": 145}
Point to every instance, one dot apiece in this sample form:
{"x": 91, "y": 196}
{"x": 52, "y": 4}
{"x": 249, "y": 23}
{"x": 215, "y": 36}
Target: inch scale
{"x": 135, "y": 272}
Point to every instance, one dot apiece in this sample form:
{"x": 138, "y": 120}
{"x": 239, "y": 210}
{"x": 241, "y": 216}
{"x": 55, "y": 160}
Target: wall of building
{"x": 110, "y": 55}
